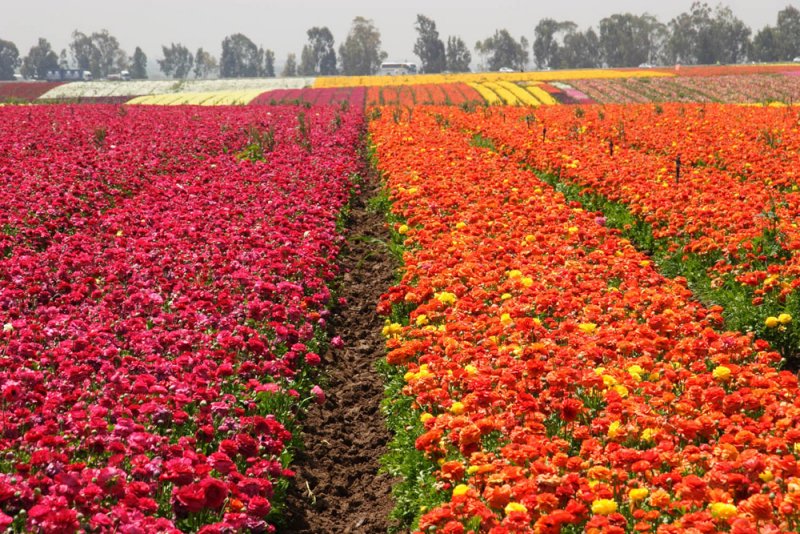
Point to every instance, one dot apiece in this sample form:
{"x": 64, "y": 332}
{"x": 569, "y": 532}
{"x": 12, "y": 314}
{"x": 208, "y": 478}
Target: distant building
{"x": 68, "y": 75}
{"x": 397, "y": 69}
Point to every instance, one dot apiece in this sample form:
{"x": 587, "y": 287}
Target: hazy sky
{"x": 281, "y": 25}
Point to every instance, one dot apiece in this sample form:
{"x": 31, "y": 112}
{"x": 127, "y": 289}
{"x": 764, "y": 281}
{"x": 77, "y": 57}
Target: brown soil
{"x": 338, "y": 488}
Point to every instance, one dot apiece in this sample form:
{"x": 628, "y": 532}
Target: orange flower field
{"x": 562, "y": 383}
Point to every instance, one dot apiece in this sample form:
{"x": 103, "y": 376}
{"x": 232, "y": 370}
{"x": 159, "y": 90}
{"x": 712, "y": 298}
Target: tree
{"x": 139, "y": 65}
{"x": 204, "y": 64}
{"x": 705, "y": 37}
{"x": 241, "y": 58}
{"x": 177, "y": 62}
{"x": 40, "y": 59}
{"x": 290, "y": 68}
{"x": 731, "y": 37}
{"x": 429, "y": 47}
{"x": 269, "y": 63}
{"x": 789, "y": 33}
{"x": 99, "y": 53}
{"x": 503, "y": 51}
{"x": 458, "y": 55}
{"x": 361, "y": 52}
{"x": 318, "y": 57}
{"x": 628, "y": 40}
{"x": 9, "y": 59}
{"x": 545, "y": 41}
{"x": 766, "y": 45}
{"x": 581, "y": 50}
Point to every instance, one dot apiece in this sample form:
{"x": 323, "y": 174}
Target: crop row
{"x": 154, "y": 357}
{"x": 561, "y": 383}
{"x": 710, "y": 190}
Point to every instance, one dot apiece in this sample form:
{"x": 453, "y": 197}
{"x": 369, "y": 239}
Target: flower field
{"x": 592, "y": 326}
{"x": 423, "y": 94}
{"x": 163, "y": 291}
{"x": 353, "y": 95}
{"x": 732, "y": 89}
{"x": 561, "y": 382}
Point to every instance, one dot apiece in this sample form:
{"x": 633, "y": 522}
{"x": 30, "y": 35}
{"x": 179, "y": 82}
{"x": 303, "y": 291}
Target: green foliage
{"x": 361, "y": 53}
{"x": 429, "y": 47}
{"x": 259, "y": 144}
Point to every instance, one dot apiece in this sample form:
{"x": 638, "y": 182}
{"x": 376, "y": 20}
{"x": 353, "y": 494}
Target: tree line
{"x": 702, "y": 35}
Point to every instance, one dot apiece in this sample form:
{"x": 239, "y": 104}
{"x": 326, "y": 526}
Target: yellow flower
{"x": 530, "y": 238}
{"x": 589, "y": 328}
{"x": 392, "y": 329}
{"x": 402, "y": 229}
{"x": 621, "y": 390}
{"x": 722, "y": 510}
{"x": 614, "y": 429}
{"x": 505, "y": 296}
{"x": 638, "y": 494}
{"x": 771, "y": 322}
{"x": 721, "y": 373}
{"x": 460, "y": 490}
{"x": 648, "y": 434}
{"x": 422, "y": 320}
{"x": 645, "y": 263}
{"x": 471, "y": 369}
{"x": 514, "y": 274}
{"x": 471, "y": 470}
{"x": 784, "y": 318}
{"x": 461, "y": 225}
{"x": 572, "y": 230}
{"x": 515, "y": 507}
{"x": 424, "y": 418}
{"x": 766, "y": 476}
{"x": 457, "y": 408}
{"x": 604, "y": 507}
{"x": 526, "y": 281}
{"x": 636, "y": 372}
{"x": 506, "y": 319}
{"x": 445, "y": 297}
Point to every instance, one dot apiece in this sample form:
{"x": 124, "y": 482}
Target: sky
{"x": 281, "y": 25}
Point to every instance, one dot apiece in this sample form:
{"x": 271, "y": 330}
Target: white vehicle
{"x": 397, "y": 69}
{"x": 797, "y": 59}
{"x": 506, "y": 69}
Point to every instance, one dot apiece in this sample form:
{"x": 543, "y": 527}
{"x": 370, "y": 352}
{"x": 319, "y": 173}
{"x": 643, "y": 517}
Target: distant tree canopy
{"x": 98, "y": 53}
{"x": 458, "y": 55}
{"x": 503, "y": 51}
{"x": 780, "y": 42}
{"x": 177, "y": 62}
{"x": 205, "y": 64}
{"x": 9, "y": 59}
{"x": 138, "y": 68}
{"x": 361, "y": 52}
{"x": 429, "y": 47}
{"x": 318, "y": 57}
{"x": 240, "y": 58}
{"x": 703, "y": 36}
{"x": 290, "y": 67}
{"x": 700, "y": 35}
{"x": 39, "y": 60}
{"x": 269, "y": 63}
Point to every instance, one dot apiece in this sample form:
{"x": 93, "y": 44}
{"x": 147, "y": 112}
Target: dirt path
{"x": 337, "y": 488}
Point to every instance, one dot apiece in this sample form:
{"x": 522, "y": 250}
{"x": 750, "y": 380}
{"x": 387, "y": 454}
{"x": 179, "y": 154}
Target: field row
{"x": 560, "y": 382}
{"x": 163, "y": 295}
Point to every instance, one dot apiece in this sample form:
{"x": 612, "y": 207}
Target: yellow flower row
{"x": 504, "y": 92}
{"x": 482, "y": 77}
{"x": 214, "y": 98}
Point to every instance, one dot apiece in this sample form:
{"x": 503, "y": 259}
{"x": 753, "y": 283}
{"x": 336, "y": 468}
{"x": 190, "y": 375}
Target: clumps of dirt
{"x": 337, "y": 488}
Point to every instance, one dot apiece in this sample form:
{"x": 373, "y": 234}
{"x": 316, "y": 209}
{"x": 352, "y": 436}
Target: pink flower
{"x": 319, "y": 395}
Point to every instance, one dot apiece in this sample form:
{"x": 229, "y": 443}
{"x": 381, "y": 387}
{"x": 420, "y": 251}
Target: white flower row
{"x": 102, "y": 88}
